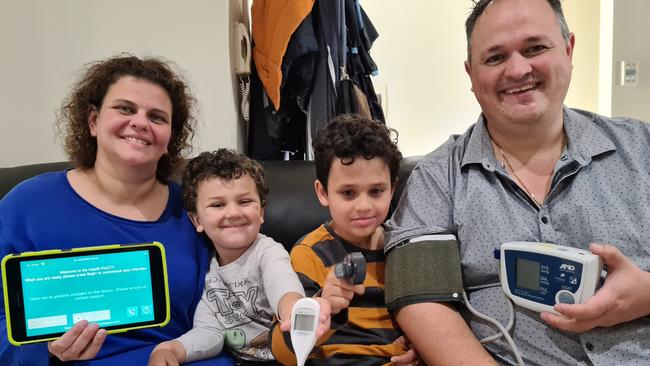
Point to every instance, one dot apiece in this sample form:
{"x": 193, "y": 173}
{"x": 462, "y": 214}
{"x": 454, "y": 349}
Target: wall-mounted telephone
{"x": 243, "y": 67}
{"x": 242, "y": 50}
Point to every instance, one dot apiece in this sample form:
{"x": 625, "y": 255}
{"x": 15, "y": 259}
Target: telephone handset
{"x": 243, "y": 67}
{"x": 242, "y": 50}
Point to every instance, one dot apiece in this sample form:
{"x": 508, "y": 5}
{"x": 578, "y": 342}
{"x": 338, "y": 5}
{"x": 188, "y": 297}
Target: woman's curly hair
{"x": 89, "y": 92}
{"x": 225, "y": 164}
{"x": 350, "y": 136}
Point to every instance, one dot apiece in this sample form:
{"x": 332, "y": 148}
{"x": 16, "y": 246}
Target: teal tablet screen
{"x": 108, "y": 289}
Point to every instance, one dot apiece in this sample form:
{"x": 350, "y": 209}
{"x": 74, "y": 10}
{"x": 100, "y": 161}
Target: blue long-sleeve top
{"x": 44, "y": 212}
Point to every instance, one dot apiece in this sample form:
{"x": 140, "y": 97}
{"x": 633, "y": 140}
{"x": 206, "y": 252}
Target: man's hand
{"x": 170, "y": 353}
{"x": 323, "y": 318}
{"x": 409, "y": 358}
{"x": 623, "y": 297}
{"x": 81, "y": 342}
{"x": 339, "y": 292}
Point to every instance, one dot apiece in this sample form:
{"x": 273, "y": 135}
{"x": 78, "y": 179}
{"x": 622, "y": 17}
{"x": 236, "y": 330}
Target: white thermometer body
{"x": 304, "y": 321}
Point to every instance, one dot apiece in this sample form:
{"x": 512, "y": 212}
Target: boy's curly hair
{"x": 225, "y": 164}
{"x": 349, "y": 136}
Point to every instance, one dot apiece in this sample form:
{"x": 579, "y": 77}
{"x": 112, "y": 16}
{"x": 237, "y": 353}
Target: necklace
{"x": 516, "y": 176}
{"x": 523, "y": 185}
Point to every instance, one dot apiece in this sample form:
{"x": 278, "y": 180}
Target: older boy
{"x": 357, "y": 164}
{"x": 250, "y": 277}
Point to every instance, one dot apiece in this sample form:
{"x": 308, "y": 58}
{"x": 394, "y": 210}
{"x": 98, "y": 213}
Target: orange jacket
{"x": 274, "y": 21}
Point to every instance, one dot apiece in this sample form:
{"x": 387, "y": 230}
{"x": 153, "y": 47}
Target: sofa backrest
{"x": 9, "y": 177}
{"x": 292, "y": 209}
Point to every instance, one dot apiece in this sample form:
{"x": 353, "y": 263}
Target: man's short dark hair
{"x": 351, "y": 136}
{"x": 225, "y": 164}
{"x": 479, "y": 8}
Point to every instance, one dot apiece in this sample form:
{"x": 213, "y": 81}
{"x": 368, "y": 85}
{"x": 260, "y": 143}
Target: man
{"x": 530, "y": 169}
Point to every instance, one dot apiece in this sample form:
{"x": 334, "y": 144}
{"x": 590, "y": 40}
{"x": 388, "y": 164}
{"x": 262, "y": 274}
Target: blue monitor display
{"x": 108, "y": 289}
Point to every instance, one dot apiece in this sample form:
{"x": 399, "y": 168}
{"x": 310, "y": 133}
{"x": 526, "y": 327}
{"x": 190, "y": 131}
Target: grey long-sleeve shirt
{"x": 239, "y": 302}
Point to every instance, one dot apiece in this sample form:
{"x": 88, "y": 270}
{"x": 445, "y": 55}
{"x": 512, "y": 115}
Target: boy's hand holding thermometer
{"x": 310, "y": 318}
{"x": 306, "y": 312}
{"x": 303, "y": 327}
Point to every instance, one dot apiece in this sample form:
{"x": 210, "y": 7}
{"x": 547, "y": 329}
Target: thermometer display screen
{"x": 527, "y": 275}
{"x": 304, "y": 322}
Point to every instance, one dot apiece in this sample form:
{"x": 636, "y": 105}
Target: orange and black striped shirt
{"x": 363, "y": 334}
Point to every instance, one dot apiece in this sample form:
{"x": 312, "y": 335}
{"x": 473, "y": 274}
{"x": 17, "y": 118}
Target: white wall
{"x": 420, "y": 53}
{"x": 44, "y": 43}
{"x": 631, "y": 45}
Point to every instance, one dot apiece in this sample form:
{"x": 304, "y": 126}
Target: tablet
{"x": 119, "y": 287}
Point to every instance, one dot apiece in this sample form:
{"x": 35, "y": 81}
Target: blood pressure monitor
{"x": 539, "y": 275}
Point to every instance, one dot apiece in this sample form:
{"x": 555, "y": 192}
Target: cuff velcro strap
{"x": 423, "y": 271}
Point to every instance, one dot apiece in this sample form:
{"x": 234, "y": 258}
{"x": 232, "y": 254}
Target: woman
{"x": 127, "y": 124}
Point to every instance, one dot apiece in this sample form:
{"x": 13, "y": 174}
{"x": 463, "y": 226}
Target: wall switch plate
{"x": 628, "y": 73}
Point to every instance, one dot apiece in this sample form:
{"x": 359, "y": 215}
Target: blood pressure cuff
{"x": 424, "y": 269}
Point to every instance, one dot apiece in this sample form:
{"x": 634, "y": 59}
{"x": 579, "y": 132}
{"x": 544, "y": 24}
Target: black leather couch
{"x": 292, "y": 210}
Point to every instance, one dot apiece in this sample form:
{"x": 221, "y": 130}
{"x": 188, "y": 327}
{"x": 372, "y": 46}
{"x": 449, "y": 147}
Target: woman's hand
{"x": 81, "y": 342}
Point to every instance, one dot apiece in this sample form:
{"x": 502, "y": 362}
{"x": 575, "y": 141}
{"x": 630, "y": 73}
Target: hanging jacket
{"x": 356, "y": 93}
{"x": 311, "y": 86}
{"x": 273, "y": 23}
{"x": 274, "y": 133}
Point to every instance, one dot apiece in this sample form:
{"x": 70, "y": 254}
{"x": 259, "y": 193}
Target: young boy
{"x": 357, "y": 164}
{"x": 250, "y": 277}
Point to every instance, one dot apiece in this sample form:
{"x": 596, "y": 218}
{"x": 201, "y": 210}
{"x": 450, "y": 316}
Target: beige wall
{"x": 44, "y": 43}
{"x": 583, "y": 18}
{"x": 420, "y": 54}
{"x": 631, "y": 45}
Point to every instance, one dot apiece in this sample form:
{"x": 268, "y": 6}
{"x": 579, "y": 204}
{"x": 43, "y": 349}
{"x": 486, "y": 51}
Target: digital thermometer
{"x": 539, "y": 275}
{"x": 304, "y": 321}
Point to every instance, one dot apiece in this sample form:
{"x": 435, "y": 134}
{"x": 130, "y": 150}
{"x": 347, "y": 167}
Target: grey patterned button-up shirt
{"x": 600, "y": 193}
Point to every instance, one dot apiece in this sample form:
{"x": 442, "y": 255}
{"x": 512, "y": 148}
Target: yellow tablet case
{"x": 81, "y": 251}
